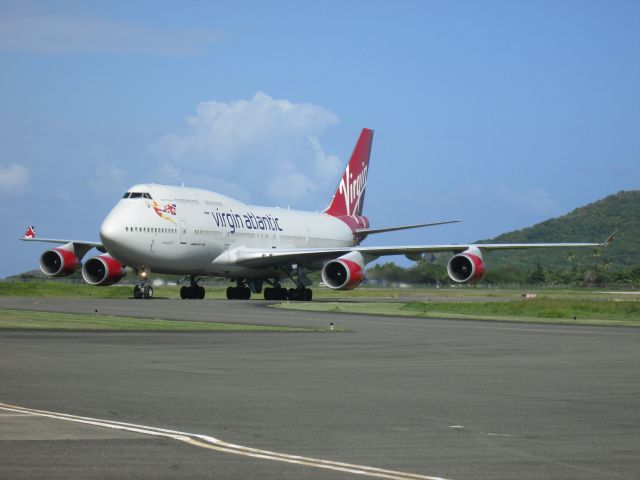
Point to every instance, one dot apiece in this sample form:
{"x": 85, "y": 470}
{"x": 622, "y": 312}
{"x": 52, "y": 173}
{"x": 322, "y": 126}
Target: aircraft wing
{"x": 251, "y": 257}
{"x": 60, "y": 241}
{"x": 79, "y": 247}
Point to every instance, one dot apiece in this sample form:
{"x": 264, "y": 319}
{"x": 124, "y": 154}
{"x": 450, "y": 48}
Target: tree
{"x": 538, "y": 276}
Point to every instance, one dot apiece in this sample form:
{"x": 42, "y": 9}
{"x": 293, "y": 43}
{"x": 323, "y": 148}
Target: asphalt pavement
{"x": 436, "y": 398}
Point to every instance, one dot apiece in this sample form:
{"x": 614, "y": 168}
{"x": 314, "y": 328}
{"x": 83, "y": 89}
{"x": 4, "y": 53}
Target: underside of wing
{"x": 256, "y": 258}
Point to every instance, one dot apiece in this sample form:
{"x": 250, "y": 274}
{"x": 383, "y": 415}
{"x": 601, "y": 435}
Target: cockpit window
{"x": 137, "y": 195}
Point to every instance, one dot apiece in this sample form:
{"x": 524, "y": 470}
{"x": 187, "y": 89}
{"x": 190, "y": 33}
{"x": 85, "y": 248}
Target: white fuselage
{"x": 188, "y": 231}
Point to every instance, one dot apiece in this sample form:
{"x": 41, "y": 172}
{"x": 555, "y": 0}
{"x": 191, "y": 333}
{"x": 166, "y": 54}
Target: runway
{"x": 423, "y": 397}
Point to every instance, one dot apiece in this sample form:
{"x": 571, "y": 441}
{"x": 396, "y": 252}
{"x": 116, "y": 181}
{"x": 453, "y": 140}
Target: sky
{"x": 501, "y": 114}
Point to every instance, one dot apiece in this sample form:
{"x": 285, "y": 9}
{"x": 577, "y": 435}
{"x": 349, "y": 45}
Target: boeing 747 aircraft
{"x": 197, "y": 233}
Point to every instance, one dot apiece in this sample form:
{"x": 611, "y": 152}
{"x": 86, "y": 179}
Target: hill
{"x": 593, "y": 222}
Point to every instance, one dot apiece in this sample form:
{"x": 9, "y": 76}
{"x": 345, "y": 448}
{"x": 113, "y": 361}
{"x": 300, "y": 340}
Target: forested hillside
{"x": 591, "y": 223}
{"x": 618, "y": 264}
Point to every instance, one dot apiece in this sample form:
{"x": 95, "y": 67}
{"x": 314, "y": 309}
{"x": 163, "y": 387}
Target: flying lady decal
{"x": 168, "y": 209}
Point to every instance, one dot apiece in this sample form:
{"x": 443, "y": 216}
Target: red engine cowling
{"x": 103, "y": 270}
{"x": 344, "y": 273}
{"x": 59, "y": 262}
{"x": 466, "y": 266}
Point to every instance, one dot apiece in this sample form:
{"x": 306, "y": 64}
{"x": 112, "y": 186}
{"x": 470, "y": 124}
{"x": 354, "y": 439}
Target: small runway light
{"x": 331, "y": 326}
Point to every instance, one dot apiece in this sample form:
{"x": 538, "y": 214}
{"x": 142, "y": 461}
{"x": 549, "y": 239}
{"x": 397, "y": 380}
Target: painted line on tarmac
{"x": 212, "y": 443}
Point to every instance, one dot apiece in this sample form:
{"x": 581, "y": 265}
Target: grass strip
{"x": 33, "y": 320}
{"x": 53, "y": 289}
{"x": 559, "y": 311}
{"x": 60, "y": 289}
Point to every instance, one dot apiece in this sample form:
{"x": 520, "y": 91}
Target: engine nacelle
{"x": 466, "y": 266}
{"x": 59, "y": 262}
{"x": 345, "y": 272}
{"x": 103, "y": 270}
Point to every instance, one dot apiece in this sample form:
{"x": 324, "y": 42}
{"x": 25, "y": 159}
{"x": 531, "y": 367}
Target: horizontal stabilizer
{"x": 368, "y": 231}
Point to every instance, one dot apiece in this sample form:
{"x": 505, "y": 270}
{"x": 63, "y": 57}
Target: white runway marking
{"x": 216, "y": 444}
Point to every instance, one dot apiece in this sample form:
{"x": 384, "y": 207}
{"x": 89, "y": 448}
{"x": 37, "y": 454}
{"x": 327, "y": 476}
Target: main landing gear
{"x": 278, "y": 293}
{"x": 193, "y": 291}
{"x": 239, "y": 292}
{"x": 301, "y": 293}
{"x": 143, "y": 289}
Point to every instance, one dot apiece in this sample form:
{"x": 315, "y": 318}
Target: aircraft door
{"x": 183, "y": 232}
{"x": 227, "y": 244}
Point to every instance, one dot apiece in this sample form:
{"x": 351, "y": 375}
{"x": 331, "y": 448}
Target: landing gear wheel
{"x": 277, "y": 293}
{"x": 239, "y": 293}
{"x": 137, "y": 292}
{"x": 201, "y": 292}
{"x": 308, "y": 294}
{"x": 184, "y": 293}
{"x": 148, "y": 292}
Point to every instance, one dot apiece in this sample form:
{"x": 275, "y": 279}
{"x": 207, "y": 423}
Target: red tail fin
{"x": 349, "y": 196}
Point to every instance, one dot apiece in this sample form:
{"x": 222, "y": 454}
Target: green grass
{"x": 53, "y": 288}
{"x": 50, "y": 289}
{"x": 31, "y": 320}
{"x": 540, "y": 310}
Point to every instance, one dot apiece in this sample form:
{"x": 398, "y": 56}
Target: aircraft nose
{"x": 111, "y": 230}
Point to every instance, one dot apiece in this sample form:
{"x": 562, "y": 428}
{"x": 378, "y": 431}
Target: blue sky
{"x": 502, "y": 114}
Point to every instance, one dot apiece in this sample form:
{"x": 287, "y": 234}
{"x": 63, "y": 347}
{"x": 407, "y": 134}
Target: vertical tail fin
{"x": 349, "y": 196}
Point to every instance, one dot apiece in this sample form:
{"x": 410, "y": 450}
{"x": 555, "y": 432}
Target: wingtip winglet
{"x": 30, "y": 233}
{"x": 610, "y": 239}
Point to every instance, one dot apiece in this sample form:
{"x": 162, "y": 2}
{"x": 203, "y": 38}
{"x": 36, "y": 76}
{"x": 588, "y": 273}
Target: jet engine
{"x": 466, "y": 266}
{"x": 103, "y": 270}
{"x": 59, "y": 262}
{"x": 345, "y": 272}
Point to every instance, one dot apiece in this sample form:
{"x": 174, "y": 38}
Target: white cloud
{"x": 14, "y": 179}
{"x": 63, "y": 34}
{"x": 268, "y": 146}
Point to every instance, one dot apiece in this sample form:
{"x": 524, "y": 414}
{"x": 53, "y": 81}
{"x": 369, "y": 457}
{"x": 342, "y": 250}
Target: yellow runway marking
{"x": 211, "y": 443}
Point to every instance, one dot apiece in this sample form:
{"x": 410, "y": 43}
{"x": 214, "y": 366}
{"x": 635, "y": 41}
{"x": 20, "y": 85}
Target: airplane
{"x": 197, "y": 233}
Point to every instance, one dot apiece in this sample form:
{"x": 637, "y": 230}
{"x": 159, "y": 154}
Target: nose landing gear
{"x": 143, "y": 289}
